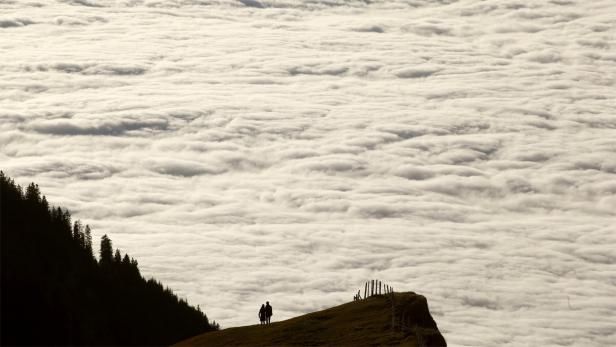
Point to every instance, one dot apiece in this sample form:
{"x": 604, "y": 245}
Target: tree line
{"x": 56, "y": 292}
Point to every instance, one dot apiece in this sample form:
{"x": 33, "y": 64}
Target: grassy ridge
{"x": 362, "y": 323}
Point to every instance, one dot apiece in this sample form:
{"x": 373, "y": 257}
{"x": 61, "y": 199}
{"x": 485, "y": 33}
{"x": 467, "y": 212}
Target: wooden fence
{"x": 398, "y": 319}
{"x": 372, "y": 288}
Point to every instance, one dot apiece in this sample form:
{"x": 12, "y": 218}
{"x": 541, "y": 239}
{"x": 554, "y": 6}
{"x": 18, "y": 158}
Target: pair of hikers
{"x": 265, "y": 313}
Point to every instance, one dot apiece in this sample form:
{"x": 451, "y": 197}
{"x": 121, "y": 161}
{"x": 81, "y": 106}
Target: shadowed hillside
{"x": 359, "y": 323}
{"x": 55, "y": 292}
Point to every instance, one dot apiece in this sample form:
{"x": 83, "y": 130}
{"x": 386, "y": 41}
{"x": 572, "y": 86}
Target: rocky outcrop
{"x": 400, "y": 319}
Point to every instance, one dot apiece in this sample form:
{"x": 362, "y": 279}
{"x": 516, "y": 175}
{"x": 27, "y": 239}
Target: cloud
{"x": 413, "y": 172}
{"x": 318, "y": 70}
{"x": 60, "y": 168}
{"x": 481, "y": 302}
{"x": 252, "y": 3}
{"x": 417, "y": 72}
{"x": 289, "y": 150}
{"x": 184, "y": 168}
{"x": 88, "y": 3}
{"x": 428, "y": 29}
{"x": 544, "y": 57}
{"x": 13, "y": 23}
{"x": 72, "y": 20}
{"x": 379, "y": 29}
{"x": 90, "y": 68}
{"x": 96, "y": 127}
{"x": 330, "y": 164}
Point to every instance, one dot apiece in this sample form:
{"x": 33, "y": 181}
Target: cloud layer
{"x": 289, "y": 150}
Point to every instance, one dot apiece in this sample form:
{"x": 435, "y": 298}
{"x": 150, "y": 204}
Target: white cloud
{"x": 289, "y": 150}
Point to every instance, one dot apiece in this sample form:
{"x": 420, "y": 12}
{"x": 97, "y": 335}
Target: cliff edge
{"x": 401, "y": 319}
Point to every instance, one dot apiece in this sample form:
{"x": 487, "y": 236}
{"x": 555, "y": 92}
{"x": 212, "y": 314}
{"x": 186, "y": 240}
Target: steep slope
{"x": 360, "y": 323}
{"x": 55, "y": 292}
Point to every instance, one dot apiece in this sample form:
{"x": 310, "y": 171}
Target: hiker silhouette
{"x": 268, "y": 312}
{"x": 262, "y": 314}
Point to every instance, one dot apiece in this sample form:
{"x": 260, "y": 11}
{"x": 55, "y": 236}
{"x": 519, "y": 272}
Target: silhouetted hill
{"x": 55, "y": 292}
{"x": 359, "y": 323}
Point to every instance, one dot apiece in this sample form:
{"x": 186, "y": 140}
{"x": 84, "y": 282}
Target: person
{"x": 262, "y": 314}
{"x": 268, "y": 312}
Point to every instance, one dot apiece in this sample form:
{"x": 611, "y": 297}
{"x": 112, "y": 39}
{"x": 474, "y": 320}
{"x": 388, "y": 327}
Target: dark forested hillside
{"x": 55, "y": 291}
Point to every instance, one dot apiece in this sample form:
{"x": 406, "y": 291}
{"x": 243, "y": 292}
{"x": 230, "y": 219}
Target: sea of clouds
{"x": 290, "y": 150}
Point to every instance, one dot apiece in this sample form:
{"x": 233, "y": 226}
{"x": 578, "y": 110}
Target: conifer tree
{"x": 78, "y": 233}
{"x": 65, "y": 219}
{"x": 44, "y": 203}
{"x": 106, "y": 252}
{"x": 55, "y": 293}
{"x": 117, "y": 257}
{"x": 33, "y": 193}
{"x": 88, "y": 241}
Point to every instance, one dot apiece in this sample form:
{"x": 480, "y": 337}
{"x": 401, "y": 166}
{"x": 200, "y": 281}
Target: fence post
{"x": 366, "y": 291}
{"x": 380, "y": 283}
{"x": 371, "y": 287}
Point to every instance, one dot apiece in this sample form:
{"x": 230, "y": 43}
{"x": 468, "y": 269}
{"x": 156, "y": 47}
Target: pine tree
{"x": 88, "y": 241}
{"x": 33, "y": 194}
{"x": 117, "y": 258}
{"x": 126, "y": 261}
{"x": 56, "y": 293}
{"x": 44, "y": 203}
{"x": 65, "y": 219}
{"x": 135, "y": 267}
{"x": 106, "y": 252}
{"x": 78, "y": 234}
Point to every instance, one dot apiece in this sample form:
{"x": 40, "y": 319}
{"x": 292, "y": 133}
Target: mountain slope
{"x": 55, "y": 292}
{"x": 361, "y": 323}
